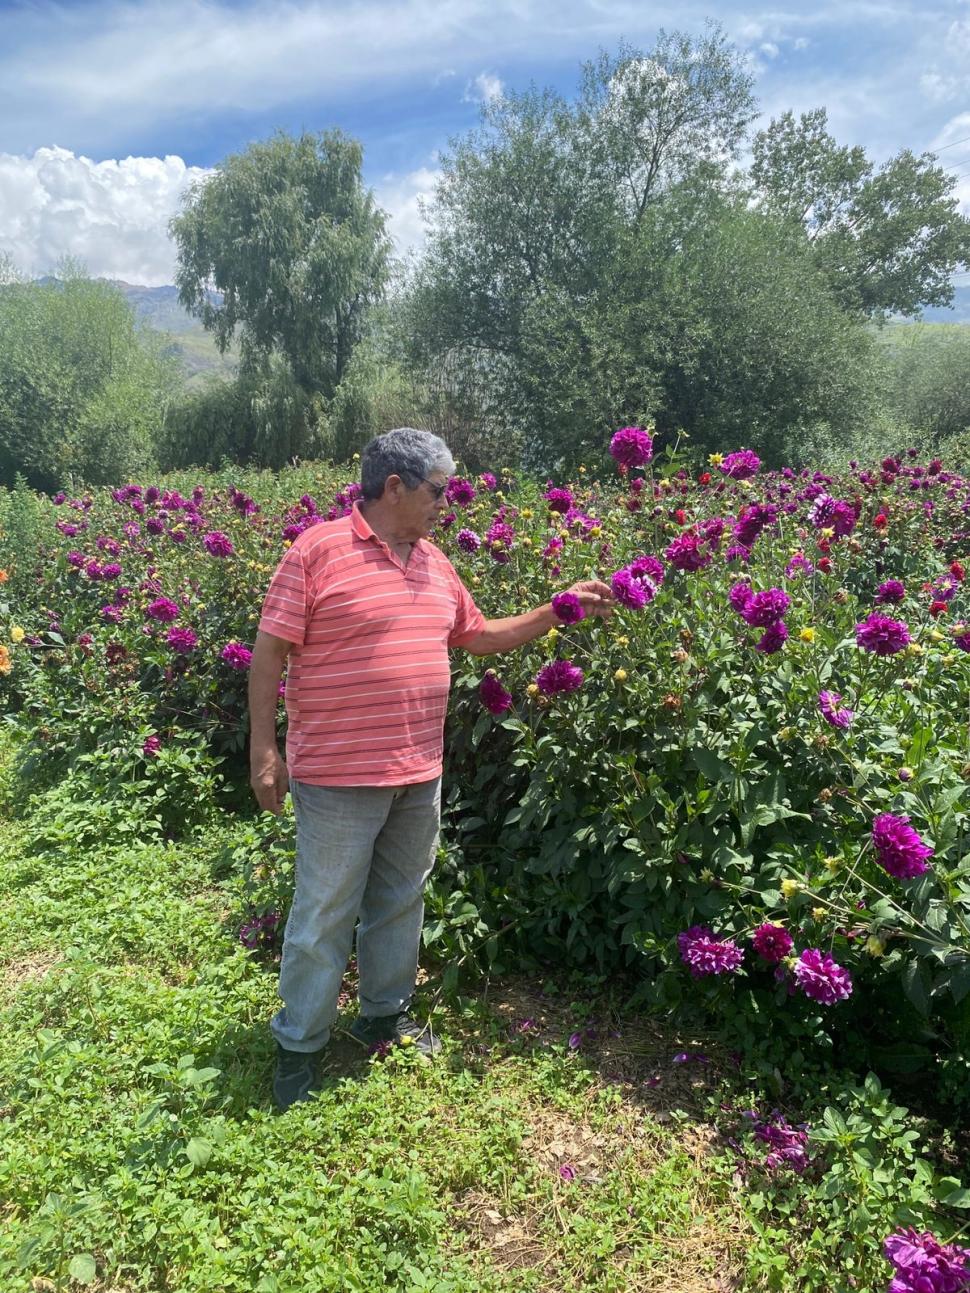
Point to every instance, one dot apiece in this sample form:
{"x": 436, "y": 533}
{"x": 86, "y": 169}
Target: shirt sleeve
{"x": 286, "y": 606}
{"x": 469, "y": 620}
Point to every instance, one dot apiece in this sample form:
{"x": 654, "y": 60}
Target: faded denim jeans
{"x": 361, "y": 851}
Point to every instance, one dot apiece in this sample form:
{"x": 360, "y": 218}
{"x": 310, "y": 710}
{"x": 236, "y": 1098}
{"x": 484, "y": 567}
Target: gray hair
{"x": 412, "y": 455}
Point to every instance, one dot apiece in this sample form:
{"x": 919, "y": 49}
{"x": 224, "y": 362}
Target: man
{"x": 363, "y": 610}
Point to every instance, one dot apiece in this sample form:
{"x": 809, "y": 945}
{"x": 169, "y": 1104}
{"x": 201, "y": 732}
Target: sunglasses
{"x": 436, "y": 490}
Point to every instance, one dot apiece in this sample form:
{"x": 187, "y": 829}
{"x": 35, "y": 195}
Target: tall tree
{"x": 285, "y": 244}
{"x": 888, "y": 240}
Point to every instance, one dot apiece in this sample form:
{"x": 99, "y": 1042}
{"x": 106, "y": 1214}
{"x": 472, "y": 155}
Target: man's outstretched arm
{"x": 595, "y": 597}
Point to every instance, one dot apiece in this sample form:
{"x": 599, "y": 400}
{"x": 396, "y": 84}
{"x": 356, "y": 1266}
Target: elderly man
{"x": 363, "y": 610}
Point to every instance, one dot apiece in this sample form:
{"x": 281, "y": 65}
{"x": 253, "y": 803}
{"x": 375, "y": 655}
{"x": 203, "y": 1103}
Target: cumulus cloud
{"x": 401, "y": 197}
{"x": 769, "y": 49}
{"x": 483, "y": 89}
{"x": 112, "y": 215}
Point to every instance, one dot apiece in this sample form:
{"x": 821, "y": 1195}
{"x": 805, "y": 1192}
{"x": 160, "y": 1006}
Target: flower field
{"x": 749, "y": 787}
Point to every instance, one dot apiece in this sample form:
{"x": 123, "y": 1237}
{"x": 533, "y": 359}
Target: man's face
{"x": 418, "y": 510}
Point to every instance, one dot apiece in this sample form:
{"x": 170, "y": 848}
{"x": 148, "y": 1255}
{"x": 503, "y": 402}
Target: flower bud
{"x": 905, "y": 774}
{"x": 620, "y": 675}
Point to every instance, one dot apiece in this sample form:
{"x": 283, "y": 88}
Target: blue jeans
{"x": 361, "y": 851}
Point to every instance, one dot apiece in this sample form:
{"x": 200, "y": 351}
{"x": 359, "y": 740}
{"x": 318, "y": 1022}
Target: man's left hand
{"x": 595, "y": 597}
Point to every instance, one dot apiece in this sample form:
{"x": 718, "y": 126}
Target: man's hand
{"x": 595, "y": 597}
{"x": 269, "y": 779}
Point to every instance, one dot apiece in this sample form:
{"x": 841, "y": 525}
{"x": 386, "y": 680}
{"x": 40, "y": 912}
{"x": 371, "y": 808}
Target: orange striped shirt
{"x": 368, "y": 676}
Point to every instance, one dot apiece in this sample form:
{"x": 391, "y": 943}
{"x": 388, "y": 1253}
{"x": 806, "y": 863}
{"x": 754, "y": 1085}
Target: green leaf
{"x": 958, "y": 1199}
{"x": 198, "y": 1151}
{"x": 82, "y": 1268}
{"x": 916, "y": 986}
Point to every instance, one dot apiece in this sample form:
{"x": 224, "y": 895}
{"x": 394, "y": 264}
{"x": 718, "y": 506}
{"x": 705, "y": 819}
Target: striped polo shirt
{"x": 368, "y": 676}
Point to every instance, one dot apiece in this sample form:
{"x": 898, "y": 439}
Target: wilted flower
{"x": 828, "y": 703}
{"x": 899, "y": 850}
{"x": 820, "y": 978}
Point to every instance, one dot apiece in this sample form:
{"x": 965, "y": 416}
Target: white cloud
{"x": 401, "y": 197}
{"x": 769, "y": 49}
{"x": 801, "y": 42}
{"x": 112, "y": 215}
{"x": 483, "y": 89}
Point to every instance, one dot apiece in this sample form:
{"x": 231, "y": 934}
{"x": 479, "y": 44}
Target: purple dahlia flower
{"x": 921, "y": 1264}
{"x": 632, "y": 447}
{"x": 820, "y": 978}
{"x": 633, "y": 591}
{"x": 559, "y": 500}
{"x": 828, "y": 703}
{"x": 892, "y": 591}
{"x": 647, "y": 565}
{"x": 151, "y": 747}
{"x": 163, "y": 609}
{"x": 687, "y": 552}
{"x": 181, "y": 641}
{"x": 568, "y": 608}
{"x": 236, "y": 655}
{"x": 882, "y": 635}
{"x": 773, "y": 639}
{"x": 218, "y": 544}
{"x": 557, "y": 676}
{"x": 704, "y": 953}
{"x": 899, "y": 850}
{"x": 772, "y": 942}
{"x": 762, "y": 609}
{"x": 460, "y": 492}
{"x": 493, "y": 695}
{"x": 741, "y": 465}
{"x": 468, "y": 541}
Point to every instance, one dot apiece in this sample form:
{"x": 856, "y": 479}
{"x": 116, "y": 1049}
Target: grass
{"x": 515, "y": 1163}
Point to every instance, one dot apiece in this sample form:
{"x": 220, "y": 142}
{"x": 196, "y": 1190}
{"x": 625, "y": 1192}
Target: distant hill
{"x": 959, "y": 312}
{"x": 159, "y": 308}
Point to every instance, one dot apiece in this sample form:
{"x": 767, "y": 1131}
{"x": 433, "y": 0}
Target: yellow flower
{"x": 500, "y": 496}
{"x": 200, "y": 606}
{"x": 623, "y": 640}
{"x": 356, "y": 457}
{"x": 790, "y": 887}
{"x": 527, "y": 542}
{"x": 17, "y": 634}
{"x": 875, "y": 946}
{"x": 664, "y": 482}
{"x": 807, "y": 635}
{"x": 405, "y": 1040}
{"x": 582, "y": 471}
{"x": 532, "y": 689}
{"x": 4, "y": 659}
{"x": 715, "y": 459}
{"x": 475, "y": 579}
{"x": 595, "y": 531}
{"x": 620, "y": 675}
{"x": 818, "y": 913}
{"x": 936, "y": 635}
{"x": 833, "y": 864}
{"x": 552, "y": 634}
{"x": 526, "y": 514}
{"x": 915, "y": 648}
{"x": 828, "y": 532}
{"x": 707, "y": 875}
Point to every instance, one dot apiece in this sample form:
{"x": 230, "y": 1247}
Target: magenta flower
{"x": 163, "y": 609}
{"x": 567, "y": 1172}
{"x": 924, "y": 1265}
{"x": 488, "y": 480}
{"x": 820, "y": 978}
{"x": 633, "y": 591}
{"x": 762, "y": 609}
{"x": 772, "y": 942}
{"x": 899, "y": 850}
{"x": 236, "y": 655}
{"x": 687, "y": 552}
{"x": 559, "y": 500}
{"x": 460, "y": 492}
{"x": 741, "y": 465}
{"x": 218, "y": 544}
{"x": 882, "y": 635}
{"x": 773, "y": 639}
{"x": 647, "y": 565}
{"x": 493, "y": 695}
{"x": 892, "y": 592}
{"x": 181, "y": 641}
{"x": 632, "y": 447}
{"x": 798, "y": 564}
{"x": 151, "y": 747}
{"x": 559, "y": 676}
{"x": 568, "y": 608}
{"x": 740, "y": 596}
{"x": 787, "y": 1144}
{"x": 468, "y": 541}
{"x": 704, "y": 953}
{"x": 828, "y": 703}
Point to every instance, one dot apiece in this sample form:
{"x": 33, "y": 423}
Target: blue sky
{"x": 108, "y": 110}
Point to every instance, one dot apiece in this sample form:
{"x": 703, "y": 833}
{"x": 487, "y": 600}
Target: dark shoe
{"x": 377, "y": 1031}
{"x": 297, "y": 1076}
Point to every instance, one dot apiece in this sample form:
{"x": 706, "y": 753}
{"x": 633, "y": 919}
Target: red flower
{"x": 881, "y": 520}
{"x": 704, "y": 478}
{"x": 938, "y": 608}
{"x": 824, "y": 545}
{"x": 680, "y": 516}
{"x": 957, "y": 571}
{"x": 825, "y": 565}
